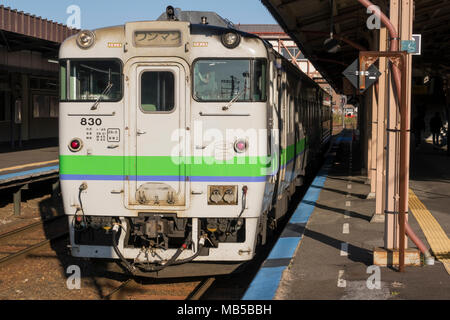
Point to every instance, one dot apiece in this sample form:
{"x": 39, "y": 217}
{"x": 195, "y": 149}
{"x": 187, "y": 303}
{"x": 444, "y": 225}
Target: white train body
{"x": 151, "y": 140}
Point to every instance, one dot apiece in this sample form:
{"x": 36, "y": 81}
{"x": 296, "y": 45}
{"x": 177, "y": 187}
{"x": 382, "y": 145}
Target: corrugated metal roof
{"x": 26, "y": 24}
{"x": 260, "y": 28}
{"x": 308, "y": 22}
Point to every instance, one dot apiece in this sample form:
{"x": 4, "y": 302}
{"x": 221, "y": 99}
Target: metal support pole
{"x": 17, "y": 200}
{"x": 405, "y": 31}
{"x": 399, "y": 59}
{"x": 381, "y": 127}
{"x": 17, "y": 196}
{"x": 55, "y": 189}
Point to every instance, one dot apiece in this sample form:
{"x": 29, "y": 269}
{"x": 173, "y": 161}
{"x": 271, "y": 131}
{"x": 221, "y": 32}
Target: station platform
{"x": 29, "y": 165}
{"x": 326, "y": 249}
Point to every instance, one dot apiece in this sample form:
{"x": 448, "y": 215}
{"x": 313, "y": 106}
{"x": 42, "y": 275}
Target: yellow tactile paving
{"x": 436, "y": 236}
{"x": 29, "y": 165}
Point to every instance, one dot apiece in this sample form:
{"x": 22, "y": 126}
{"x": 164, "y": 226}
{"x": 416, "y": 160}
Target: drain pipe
{"x": 429, "y": 259}
{"x": 397, "y": 79}
{"x": 394, "y": 42}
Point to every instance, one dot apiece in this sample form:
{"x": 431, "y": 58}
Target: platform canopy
{"x": 309, "y": 22}
{"x": 24, "y": 31}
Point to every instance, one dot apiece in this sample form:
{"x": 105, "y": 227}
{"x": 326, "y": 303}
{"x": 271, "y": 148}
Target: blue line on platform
{"x": 284, "y": 248}
{"x": 265, "y": 284}
{"x": 27, "y": 172}
{"x": 267, "y": 280}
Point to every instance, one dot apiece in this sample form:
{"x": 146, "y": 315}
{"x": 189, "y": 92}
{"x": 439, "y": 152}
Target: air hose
{"x": 173, "y": 260}
{"x": 201, "y": 244}
{"x": 153, "y": 268}
{"x": 82, "y": 187}
{"x": 129, "y": 267}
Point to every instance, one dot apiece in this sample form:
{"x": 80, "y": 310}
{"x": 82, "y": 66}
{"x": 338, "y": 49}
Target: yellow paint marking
{"x": 28, "y": 165}
{"x": 436, "y": 236}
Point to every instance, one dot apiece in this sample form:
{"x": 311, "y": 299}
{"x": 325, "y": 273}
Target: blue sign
{"x": 412, "y": 46}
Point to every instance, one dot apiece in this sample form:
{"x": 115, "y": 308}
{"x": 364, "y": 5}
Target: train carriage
{"x": 181, "y": 142}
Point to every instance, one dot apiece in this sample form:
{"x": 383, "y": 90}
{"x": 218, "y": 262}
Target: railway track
{"x": 138, "y": 290}
{"x": 21, "y": 241}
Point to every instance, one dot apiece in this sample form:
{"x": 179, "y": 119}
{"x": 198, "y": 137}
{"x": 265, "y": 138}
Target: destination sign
{"x": 157, "y": 38}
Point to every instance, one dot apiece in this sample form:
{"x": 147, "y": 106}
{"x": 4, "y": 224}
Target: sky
{"x": 103, "y": 13}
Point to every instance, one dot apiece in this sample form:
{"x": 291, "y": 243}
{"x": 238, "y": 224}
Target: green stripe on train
{"x": 164, "y": 165}
{"x": 153, "y": 165}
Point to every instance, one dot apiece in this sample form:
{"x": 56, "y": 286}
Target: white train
{"x": 181, "y": 143}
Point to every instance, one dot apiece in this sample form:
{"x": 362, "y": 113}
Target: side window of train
{"x": 157, "y": 91}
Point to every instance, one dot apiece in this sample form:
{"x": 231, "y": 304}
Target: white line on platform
{"x": 346, "y": 228}
{"x": 346, "y": 214}
{"x": 344, "y": 249}
{"x": 348, "y": 203}
{"x": 341, "y": 283}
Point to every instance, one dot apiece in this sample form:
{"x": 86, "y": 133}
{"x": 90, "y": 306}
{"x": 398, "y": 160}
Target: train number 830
{"x": 91, "y": 121}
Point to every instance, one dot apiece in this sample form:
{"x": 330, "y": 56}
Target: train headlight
{"x": 85, "y": 39}
{"x": 75, "y": 145}
{"x": 231, "y": 39}
{"x": 240, "y": 146}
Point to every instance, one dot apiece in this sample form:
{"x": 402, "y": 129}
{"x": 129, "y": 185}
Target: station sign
{"x": 352, "y": 73}
{"x": 413, "y": 46}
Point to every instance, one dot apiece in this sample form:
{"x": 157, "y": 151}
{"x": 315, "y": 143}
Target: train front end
{"x": 164, "y": 154}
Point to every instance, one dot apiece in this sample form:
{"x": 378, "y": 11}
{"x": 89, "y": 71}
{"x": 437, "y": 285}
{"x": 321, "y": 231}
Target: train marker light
{"x": 240, "y": 146}
{"x": 75, "y": 145}
{"x": 85, "y": 39}
{"x": 231, "y": 39}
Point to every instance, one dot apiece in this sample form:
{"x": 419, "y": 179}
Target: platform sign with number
{"x": 413, "y": 46}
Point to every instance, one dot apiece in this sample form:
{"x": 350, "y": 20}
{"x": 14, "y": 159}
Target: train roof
{"x": 195, "y": 17}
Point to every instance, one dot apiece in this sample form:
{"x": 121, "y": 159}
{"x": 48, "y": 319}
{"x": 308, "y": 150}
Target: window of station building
{"x": 45, "y": 106}
{"x": 5, "y": 97}
{"x": 294, "y": 51}
{"x": 157, "y": 91}
{"x": 4, "y": 106}
{"x": 43, "y": 84}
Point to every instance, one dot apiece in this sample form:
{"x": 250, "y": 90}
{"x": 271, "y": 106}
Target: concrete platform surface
{"x": 325, "y": 268}
{"x": 335, "y": 255}
{"x": 28, "y": 163}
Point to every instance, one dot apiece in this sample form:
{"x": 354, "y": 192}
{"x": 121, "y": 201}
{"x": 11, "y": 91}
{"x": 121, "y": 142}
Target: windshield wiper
{"x": 228, "y": 105}
{"x": 105, "y": 92}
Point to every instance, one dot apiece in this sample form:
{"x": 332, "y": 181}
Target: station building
{"x": 29, "y": 77}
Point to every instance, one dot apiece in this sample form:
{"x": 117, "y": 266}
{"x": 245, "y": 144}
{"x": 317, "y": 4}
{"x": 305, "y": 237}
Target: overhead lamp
{"x": 331, "y": 45}
{"x": 85, "y": 39}
{"x": 231, "y": 39}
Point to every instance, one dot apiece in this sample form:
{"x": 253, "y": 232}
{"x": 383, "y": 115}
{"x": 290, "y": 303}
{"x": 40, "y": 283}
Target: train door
{"x": 158, "y": 99}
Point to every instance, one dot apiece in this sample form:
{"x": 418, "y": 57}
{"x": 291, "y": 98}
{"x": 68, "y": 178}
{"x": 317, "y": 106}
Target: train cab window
{"x": 259, "y": 83}
{"x": 63, "y": 81}
{"x": 224, "y": 80}
{"x": 91, "y": 80}
{"x": 157, "y": 91}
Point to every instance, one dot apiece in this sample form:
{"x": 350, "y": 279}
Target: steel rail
{"x": 31, "y": 248}
{"x": 28, "y": 227}
{"x": 120, "y": 287}
{"x": 196, "y": 293}
{"x": 200, "y": 290}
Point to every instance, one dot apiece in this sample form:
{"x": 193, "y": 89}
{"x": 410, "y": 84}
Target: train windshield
{"x": 91, "y": 80}
{"x": 225, "y": 80}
